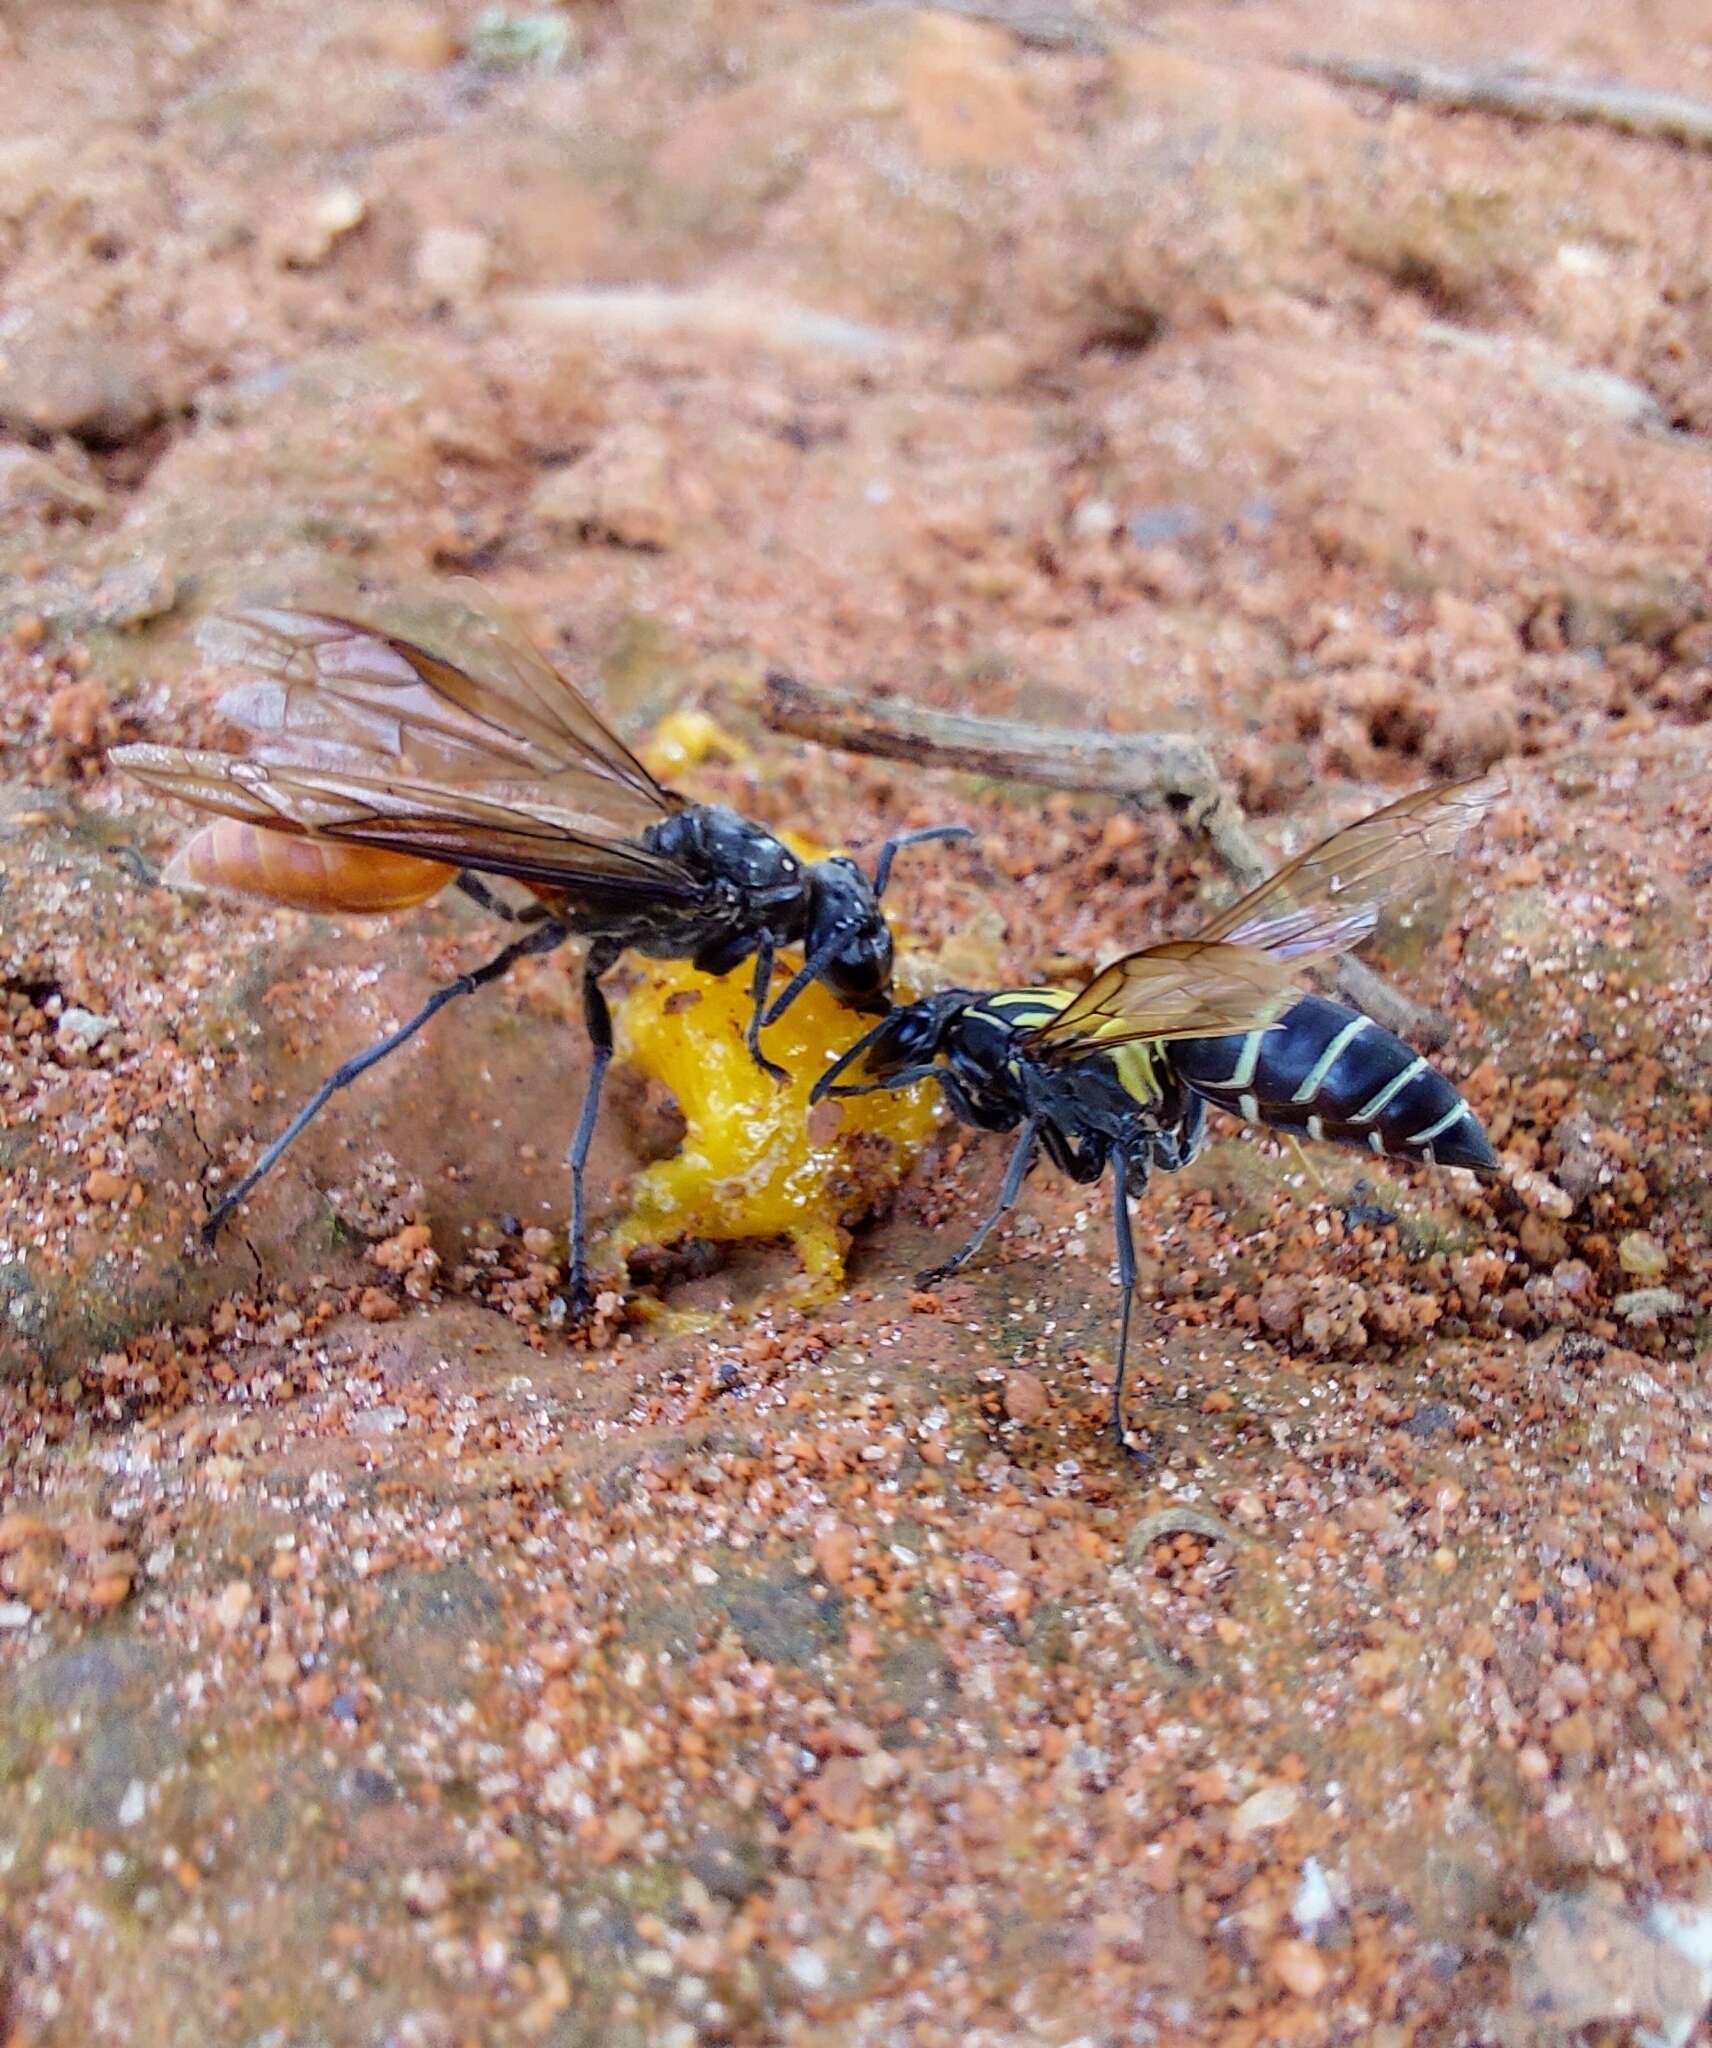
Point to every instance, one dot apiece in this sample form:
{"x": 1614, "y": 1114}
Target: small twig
{"x": 1167, "y": 766}
{"x": 1177, "y": 770}
{"x": 1173, "y": 1521}
{"x": 1121, "y": 764}
{"x": 1631, "y": 110}
{"x": 1042, "y": 27}
{"x": 1418, "y": 1022}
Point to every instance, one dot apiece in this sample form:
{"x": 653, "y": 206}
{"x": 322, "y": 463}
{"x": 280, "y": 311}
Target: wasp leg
{"x": 893, "y": 847}
{"x": 758, "y": 991}
{"x": 1021, "y": 1160}
{"x": 135, "y": 866}
{"x": 814, "y": 965}
{"x": 542, "y": 940}
{"x": 598, "y": 1018}
{"x": 477, "y": 891}
{"x": 1126, "y": 1280}
{"x": 905, "y": 1077}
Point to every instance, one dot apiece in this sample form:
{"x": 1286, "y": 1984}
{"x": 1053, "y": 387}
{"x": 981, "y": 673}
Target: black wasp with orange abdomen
{"x": 379, "y": 772}
{"x": 1120, "y": 1072}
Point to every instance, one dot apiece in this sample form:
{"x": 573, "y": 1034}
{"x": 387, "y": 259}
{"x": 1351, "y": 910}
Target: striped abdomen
{"x": 302, "y": 872}
{"x": 1329, "y": 1072}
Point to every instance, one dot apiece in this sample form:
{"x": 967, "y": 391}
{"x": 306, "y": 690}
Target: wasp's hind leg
{"x": 478, "y": 891}
{"x": 579, "y": 1296}
{"x": 1126, "y": 1280}
{"x": 136, "y": 866}
{"x": 541, "y": 940}
{"x": 1015, "y": 1173}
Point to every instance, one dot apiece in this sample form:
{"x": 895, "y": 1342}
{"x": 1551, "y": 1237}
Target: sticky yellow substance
{"x": 684, "y": 739}
{"x": 750, "y": 1165}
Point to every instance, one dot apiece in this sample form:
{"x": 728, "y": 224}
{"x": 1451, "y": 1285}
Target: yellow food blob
{"x": 756, "y": 1161}
{"x": 684, "y": 739}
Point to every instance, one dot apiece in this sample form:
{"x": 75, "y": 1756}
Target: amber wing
{"x": 1239, "y": 972}
{"x": 1181, "y": 988}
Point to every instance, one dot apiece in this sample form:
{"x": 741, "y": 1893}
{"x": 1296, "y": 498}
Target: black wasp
{"x": 1119, "y": 1073}
{"x": 378, "y": 772}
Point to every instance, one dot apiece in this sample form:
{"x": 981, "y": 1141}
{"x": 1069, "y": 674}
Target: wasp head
{"x": 910, "y": 1036}
{"x": 847, "y": 935}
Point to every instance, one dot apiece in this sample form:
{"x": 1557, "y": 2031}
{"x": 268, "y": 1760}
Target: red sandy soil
{"x": 377, "y": 1664}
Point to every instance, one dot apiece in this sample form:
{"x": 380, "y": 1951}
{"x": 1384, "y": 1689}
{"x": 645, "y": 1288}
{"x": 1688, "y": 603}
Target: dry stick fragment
{"x": 1166, "y": 766}
{"x": 1632, "y": 110}
{"x": 1041, "y": 27}
{"x": 1173, "y": 1521}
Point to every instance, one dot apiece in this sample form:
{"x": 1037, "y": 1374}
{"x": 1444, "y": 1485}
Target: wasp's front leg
{"x": 1015, "y": 1173}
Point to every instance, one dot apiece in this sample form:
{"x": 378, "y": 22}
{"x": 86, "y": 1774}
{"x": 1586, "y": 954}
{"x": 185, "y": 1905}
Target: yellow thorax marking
{"x": 1137, "y": 1064}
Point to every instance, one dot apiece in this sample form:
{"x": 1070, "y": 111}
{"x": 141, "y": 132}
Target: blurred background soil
{"x": 377, "y": 1665}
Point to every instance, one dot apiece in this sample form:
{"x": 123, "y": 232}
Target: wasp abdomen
{"x": 301, "y": 872}
{"x": 1328, "y": 1071}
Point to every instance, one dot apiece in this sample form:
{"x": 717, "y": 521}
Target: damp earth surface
{"x": 380, "y": 1662}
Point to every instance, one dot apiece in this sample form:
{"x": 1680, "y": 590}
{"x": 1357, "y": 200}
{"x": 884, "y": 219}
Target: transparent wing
{"x": 1328, "y": 899}
{"x": 1181, "y": 988}
{"x": 489, "y": 760}
{"x": 520, "y": 830}
{"x": 1239, "y": 972}
{"x": 323, "y": 688}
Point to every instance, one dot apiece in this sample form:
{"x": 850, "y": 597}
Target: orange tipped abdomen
{"x": 303, "y": 873}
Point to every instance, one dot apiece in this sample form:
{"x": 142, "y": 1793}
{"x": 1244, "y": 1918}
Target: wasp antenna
{"x": 846, "y": 1059}
{"x": 893, "y": 847}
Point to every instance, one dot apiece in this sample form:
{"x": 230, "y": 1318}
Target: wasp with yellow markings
{"x": 1120, "y": 1073}
{"x": 380, "y": 771}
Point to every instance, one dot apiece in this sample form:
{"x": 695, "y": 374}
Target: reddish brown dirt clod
{"x": 1026, "y": 1398}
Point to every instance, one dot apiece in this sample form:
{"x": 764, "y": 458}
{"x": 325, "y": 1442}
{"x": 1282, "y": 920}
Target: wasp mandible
{"x": 1120, "y": 1072}
{"x": 380, "y": 772}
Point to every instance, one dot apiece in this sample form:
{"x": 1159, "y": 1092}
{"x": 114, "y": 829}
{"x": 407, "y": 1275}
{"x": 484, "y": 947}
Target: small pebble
{"x": 18, "y": 1529}
{"x": 1026, "y": 1398}
{"x": 382, "y": 1421}
{"x": 81, "y": 1030}
{"x": 808, "y": 1968}
{"x": 559, "y": 1789}
{"x": 835, "y": 1554}
{"x": 233, "y": 1603}
{"x": 541, "y": 1740}
{"x": 1267, "y": 1808}
{"x": 1314, "y": 1903}
{"x": 424, "y": 1891}
{"x": 1641, "y": 1255}
{"x": 1300, "y": 1968}
{"x": 315, "y": 1694}
{"x": 453, "y": 263}
{"x": 1643, "y": 1305}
